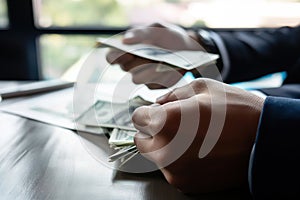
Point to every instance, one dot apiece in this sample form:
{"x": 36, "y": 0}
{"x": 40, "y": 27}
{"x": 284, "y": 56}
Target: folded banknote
{"x": 187, "y": 60}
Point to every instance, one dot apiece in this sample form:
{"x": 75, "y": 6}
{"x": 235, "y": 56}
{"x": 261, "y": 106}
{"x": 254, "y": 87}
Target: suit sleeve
{"x": 275, "y": 171}
{"x": 256, "y": 53}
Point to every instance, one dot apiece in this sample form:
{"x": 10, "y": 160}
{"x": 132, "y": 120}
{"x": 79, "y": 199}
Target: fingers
{"x": 131, "y": 37}
{"x": 144, "y": 71}
{"x": 148, "y": 74}
{"x": 184, "y": 92}
{"x": 177, "y": 94}
{"x": 141, "y": 35}
{"x": 135, "y": 64}
{"x": 149, "y": 119}
{"x": 126, "y": 61}
{"x": 158, "y": 122}
{"x": 167, "y": 129}
{"x": 115, "y": 56}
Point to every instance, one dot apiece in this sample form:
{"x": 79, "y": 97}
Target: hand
{"x": 167, "y": 36}
{"x": 185, "y": 115}
{"x": 144, "y": 71}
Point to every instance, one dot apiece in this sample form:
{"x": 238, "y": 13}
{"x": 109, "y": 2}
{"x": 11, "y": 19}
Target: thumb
{"x": 132, "y": 37}
{"x": 179, "y": 93}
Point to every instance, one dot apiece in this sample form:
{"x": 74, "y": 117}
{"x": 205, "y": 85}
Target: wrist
{"x": 192, "y": 41}
{"x": 207, "y": 40}
{"x": 193, "y": 35}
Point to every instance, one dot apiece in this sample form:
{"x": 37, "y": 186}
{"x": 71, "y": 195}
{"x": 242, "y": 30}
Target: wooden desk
{"x": 41, "y": 161}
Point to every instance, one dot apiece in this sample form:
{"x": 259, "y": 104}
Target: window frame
{"x": 23, "y": 30}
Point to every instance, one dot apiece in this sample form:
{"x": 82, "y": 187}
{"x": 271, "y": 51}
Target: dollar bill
{"x": 111, "y": 115}
{"x": 187, "y": 60}
{"x": 121, "y": 137}
{"x": 116, "y": 119}
{"x": 122, "y": 153}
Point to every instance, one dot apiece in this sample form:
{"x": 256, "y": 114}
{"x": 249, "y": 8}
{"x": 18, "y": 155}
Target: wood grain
{"x": 40, "y": 161}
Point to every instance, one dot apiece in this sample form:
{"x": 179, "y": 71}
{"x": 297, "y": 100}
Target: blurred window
{"x": 59, "y": 52}
{"x": 210, "y": 13}
{"x": 3, "y": 14}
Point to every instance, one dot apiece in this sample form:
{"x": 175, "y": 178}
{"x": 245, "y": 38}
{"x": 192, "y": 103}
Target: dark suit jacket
{"x": 276, "y": 170}
{"x": 256, "y": 53}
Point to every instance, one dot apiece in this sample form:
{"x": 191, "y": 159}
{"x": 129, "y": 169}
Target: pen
{"x": 34, "y": 88}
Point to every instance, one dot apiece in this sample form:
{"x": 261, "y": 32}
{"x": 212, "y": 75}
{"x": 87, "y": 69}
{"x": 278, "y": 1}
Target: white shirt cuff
{"x": 250, "y": 169}
{"x": 258, "y": 93}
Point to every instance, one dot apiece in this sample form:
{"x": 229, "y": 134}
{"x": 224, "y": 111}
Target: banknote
{"x": 121, "y": 137}
{"x": 116, "y": 119}
{"x": 187, "y": 60}
{"x": 121, "y": 153}
{"x": 111, "y": 115}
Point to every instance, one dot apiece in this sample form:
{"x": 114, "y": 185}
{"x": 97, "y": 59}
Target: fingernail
{"x": 128, "y": 35}
{"x": 141, "y": 135}
{"x": 154, "y": 105}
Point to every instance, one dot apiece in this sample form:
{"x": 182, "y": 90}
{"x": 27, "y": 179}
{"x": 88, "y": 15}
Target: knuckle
{"x": 110, "y": 57}
{"x": 140, "y": 117}
{"x": 154, "y": 86}
{"x": 157, "y": 127}
{"x": 174, "y": 180}
{"x": 138, "y": 139}
{"x": 124, "y": 67}
{"x": 138, "y": 114}
{"x": 136, "y": 79}
{"x": 197, "y": 84}
{"x": 157, "y": 24}
{"x": 179, "y": 183}
{"x": 172, "y": 118}
{"x": 172, "y": 109}
{"x": 159, "y": 156}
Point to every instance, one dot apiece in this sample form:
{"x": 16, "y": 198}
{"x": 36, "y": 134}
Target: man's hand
{"x": 167, "y": 36}
{"x": 145, "y": 71}
{"x": 174, "y": 118}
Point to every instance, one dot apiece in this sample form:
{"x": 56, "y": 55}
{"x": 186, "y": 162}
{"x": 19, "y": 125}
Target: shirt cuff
{"x": 250, "y": 169}
{"x": 264, "y": 96}
{"x": 258, "y": 93}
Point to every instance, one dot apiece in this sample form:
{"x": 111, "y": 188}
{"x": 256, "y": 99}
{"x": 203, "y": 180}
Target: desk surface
{"x": 41, "y": 161}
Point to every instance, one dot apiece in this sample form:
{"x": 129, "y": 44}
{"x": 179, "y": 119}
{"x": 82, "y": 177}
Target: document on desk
{"x": 61, "y": 108}
{"x": 34, "y": 88}
{"x": 102, "y": 117}
{"x": 54, "y": 108}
